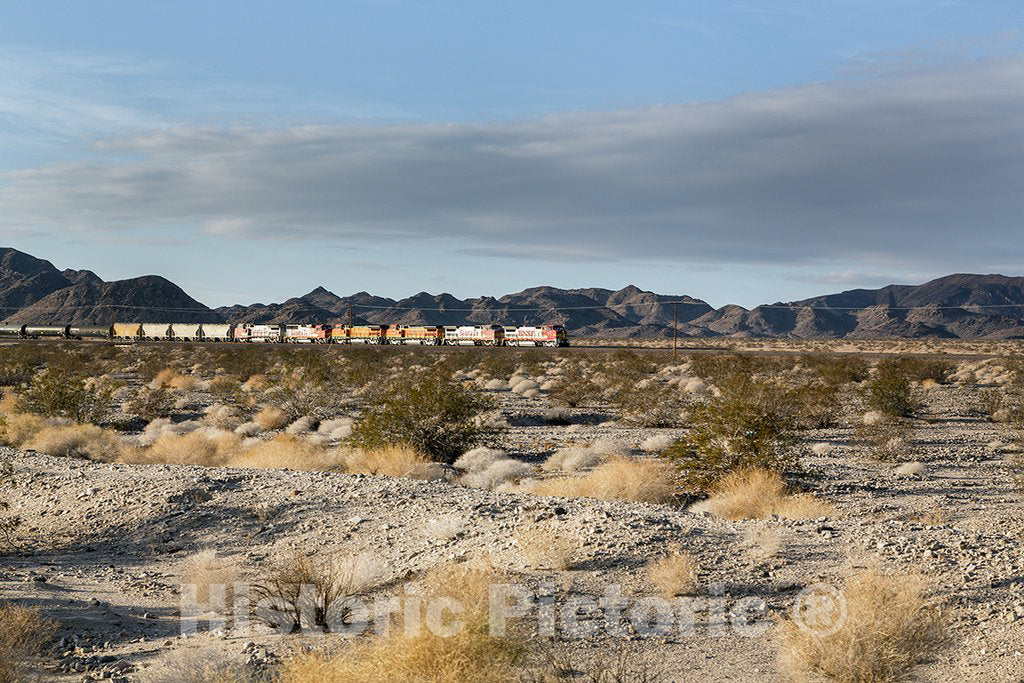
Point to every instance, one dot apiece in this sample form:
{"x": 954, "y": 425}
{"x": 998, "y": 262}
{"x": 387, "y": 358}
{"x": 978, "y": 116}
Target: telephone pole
{"x": 675, "y": 333}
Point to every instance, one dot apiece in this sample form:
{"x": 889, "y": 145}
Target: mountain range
{"x": 966, "y": 306}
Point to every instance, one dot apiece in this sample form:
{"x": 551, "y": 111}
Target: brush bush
{"x": 751, "y": 424}
{"x": 55, "y": 394}
{"x": 427, "y": 410}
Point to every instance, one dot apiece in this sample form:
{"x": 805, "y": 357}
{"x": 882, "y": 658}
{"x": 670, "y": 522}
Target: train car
{"x": 359, "y": 334}
{"x": 307, "y": 334}
{"x": 431, "y": 335}
{"x": 542, "y": 335}
{"x": 218, "y": 332}
{"x": 36, "y": 331}
{"x": 12, "y": 330}
{"x": 156, "y": 331}
{"x": 91, "y": 332}
{"x": 127, "y": 330}
{"x": 473, "y": 335}
{"x": 186, "y": 332}
{"x": 259, "y": 333}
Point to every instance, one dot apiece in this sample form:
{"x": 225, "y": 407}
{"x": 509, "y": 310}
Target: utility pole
{"x": 675, "y": 333}
{"x": 350, "y": 316}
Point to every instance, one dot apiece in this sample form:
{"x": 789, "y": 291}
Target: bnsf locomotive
{"x": 433, "y": 335}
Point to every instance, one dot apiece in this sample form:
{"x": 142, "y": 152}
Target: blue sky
{"x": 740, "y": 152}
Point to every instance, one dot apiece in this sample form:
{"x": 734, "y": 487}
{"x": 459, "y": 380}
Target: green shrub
{"x": 815, "y": 405}
{"x": 150, "y": 404}
{"x": 916, "y": 368}
{"x": 426, "y": 410}
{"x": 749, "y": 425}
{"x": 891, "y": 392}
{"x": 54, "y": 394}
{"x": 574, "y": 386}
{"x": 838, "y": 370}
{"x": 655, "y": 405}
{"x": 886, "y": 441}
{"x": 19, "y": 364}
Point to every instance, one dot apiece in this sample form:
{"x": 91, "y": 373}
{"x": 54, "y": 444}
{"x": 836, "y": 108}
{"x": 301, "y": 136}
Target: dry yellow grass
{"x": 77, "y": 441}
{"x": 256, "y": 383}
{"x": 194, "y": 448}
{"x": 472, "y": 654}
{"x": 271, "y": 418}
{"x": 206, "y": 568}
{"x": 674, "y": 574}
{"x": 546, "y": 548}
{"x": 170, "y": 378}
{"x": 23, "y": 635}
{"x": 17, "y": 428}
{"x": 182, "y": 382}
{"x": 890, "y": 627}
{"x": 393, "y": 461}
{"x": 291, "y": 452}
{"x": 638, "y": 479}
{"x": 756, "y": 494}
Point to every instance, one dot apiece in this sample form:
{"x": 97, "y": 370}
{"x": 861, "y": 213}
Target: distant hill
{"x": 34, "y": 291}
{"x": 955, "y": 306}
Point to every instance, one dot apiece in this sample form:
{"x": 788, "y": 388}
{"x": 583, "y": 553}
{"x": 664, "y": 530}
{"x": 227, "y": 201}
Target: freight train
{"x": 431, "y": 335}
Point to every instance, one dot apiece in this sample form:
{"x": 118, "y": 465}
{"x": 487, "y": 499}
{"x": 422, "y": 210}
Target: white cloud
{"x": 923, "y": 168}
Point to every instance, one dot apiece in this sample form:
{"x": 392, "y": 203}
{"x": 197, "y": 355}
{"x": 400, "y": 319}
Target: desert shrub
{"x": 472, "y": 654}
{"x": 19, "y": 364}
{"x": 150, "y": 404}
{"x": 759, "y": 494}
{"x": 77, "y": 441}
{"x": 314, "y": 592}
{"x": 18, "y": 428}
{"x": 887, "y": 440}
{"x": 572, "y": 459}
{"x": 24, "y": 635}
{"x": 226, "y": 389}
{"x": 644, "y": 480}
{"x": 815, "y": 405}
{"x": 53, "y": 394}
{"x": 890, "y": 626}
{"x": 1000, "y": 405}
{"x": 836, "y": 371}
{"x": 193, "y": 448}
{"x": 8, "y": 523}
{"x": 890, "y": 392}
{"x": 363, "y": 366}
{"x": 271, "y": 417}
{"x": 674, "y": 574}
{"x": 427, "y": 411}
{"x": 574, "y": 386}
{"x": 652, "y": 406}
{"x": 291, "y": 452}
{"x": 748, "y": 425}
{"x": 391, "y": 461}
{"x": 309, "y": 398}
{"x": 918, "y": 369}
{"x": 501, "y": 471}
{"x": 205, "y": 569}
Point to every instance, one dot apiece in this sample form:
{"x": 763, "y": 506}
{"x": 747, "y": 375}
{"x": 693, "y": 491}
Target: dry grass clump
{"x": 890, "y": 627}
{"x": 445, "y": 527}
{"x": 391, "y": 461}
{"x": 168, "y": 378}
{"x": 638, "y": 479}
{"x": 206, "y": 448}
{"x": 656, "y": 443}
{"x": 489, "y": 468}
{"x": 205, "y": 569}
{"x": 674, "y": 574}
{"x": 23, "y": 636}
{"x": 757, "y": 494}
{"x": 546, "y": 548}
{"x": 271, "y": 418}
{"x": 17, "y": 428}
{"x": 572, "y": 459}
{"x": 291, "y": 452}
{"x": 471, "y": 654}
{"x": 222, "y": 416}
{"x": 77, "y": 441}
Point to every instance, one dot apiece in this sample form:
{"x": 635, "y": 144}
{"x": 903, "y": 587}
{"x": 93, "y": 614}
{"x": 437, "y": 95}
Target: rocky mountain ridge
{"x": 955, "y": 306}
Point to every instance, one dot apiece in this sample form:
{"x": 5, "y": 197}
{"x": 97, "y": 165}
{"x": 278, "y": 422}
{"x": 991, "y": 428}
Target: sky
{"x": 736, "y": 151}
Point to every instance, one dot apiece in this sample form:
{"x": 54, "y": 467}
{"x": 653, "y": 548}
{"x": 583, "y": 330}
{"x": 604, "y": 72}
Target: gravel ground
{"x": 104, "y": 546}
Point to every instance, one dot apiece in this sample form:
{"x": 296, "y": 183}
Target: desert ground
{"x": 711, "y": 492}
